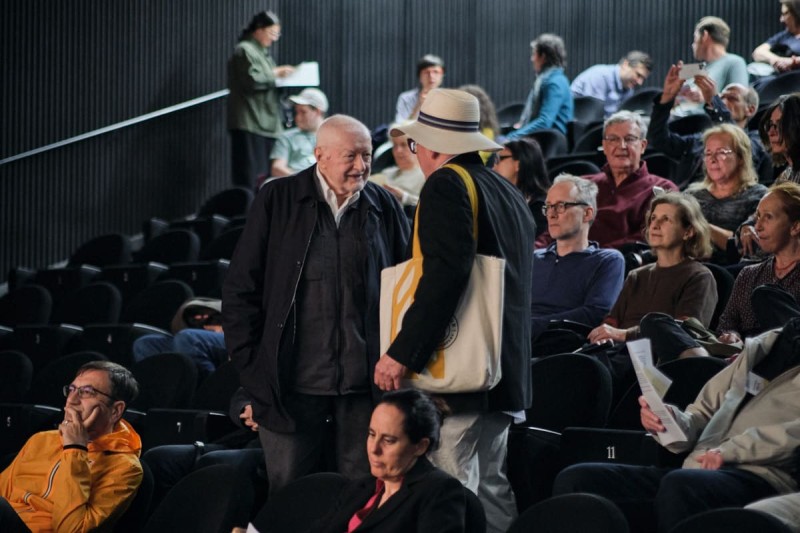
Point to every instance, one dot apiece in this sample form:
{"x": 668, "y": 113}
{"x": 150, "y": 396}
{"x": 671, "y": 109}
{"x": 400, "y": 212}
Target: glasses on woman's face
{"x": 720, "y": 155}
{"x": 770, "y": 125}
{"x": 503, "y": 157}
{"x": 412, "y": 146}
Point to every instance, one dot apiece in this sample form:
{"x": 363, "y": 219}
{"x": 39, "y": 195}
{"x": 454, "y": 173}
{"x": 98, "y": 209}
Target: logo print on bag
{"x": 450, "y": 335}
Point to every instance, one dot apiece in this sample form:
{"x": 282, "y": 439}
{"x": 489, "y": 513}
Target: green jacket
{"x": 253, "y": 103}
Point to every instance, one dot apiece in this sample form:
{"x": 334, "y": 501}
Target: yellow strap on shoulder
{"x": 472, "y": 192}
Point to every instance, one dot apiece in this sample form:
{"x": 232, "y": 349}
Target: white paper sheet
{"x": 641, "y": 355}
{"x": 304, "y": 75}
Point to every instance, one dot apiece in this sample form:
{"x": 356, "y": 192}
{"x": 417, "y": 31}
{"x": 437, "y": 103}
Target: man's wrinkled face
{"x": 623, "y": 146}
{"x": 344, "y": 162}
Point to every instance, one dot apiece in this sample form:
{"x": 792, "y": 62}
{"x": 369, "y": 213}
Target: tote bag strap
{"x": 472, "y": 192}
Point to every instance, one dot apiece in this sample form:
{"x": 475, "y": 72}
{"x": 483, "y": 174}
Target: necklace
{"x": 782, "y": 271}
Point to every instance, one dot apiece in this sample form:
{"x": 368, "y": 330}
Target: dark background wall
{"x": 72, "y": 67}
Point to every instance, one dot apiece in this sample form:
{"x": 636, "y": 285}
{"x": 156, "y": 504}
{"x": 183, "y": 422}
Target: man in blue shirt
{"x": 549, "y": 104}
{"x": 613, "y": 84}
{"x": 574, "y": 279}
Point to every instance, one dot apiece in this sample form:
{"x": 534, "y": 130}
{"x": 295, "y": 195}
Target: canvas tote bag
{"x": 468, "y": 357}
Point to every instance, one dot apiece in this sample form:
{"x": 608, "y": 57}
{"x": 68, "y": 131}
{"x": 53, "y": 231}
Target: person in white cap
{"x": 474, "y": 438}
{"x": 294, "y": 149}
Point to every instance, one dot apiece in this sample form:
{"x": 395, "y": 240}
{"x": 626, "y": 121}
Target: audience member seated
{"x": 197, "y": 328}
{"x": 677, "y": 284}
{"x": 736, "y": 105}
{"x": 430, "y": 72}
{"x": 711, "y": 38}
{"x": 83, "y": 475}
{"x": 781, "y": 51}
{"x": 741, "y": 435}
{"x": 489, "y": 124}
{"x": 625, "y": 186}
{"x": 574, "y": 279}
{"x": 521, "y": 162}
{"x": 294, "y": 149}
{"x": 549, "y": 104}
{"x": 730, "y": 191}
{"x": 406, "y": 493}
{"x": 777, "y": 229}
{"x": 786, "y": 508}
{"x": 613, "y": 84}
{"x": 405, "y": 179}
{"x": 780, "y": 131}
{"x": 241, "y": 449}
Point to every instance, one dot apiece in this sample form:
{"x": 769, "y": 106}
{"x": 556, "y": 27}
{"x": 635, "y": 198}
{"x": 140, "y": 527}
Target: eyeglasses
{"x": 87, "y": 391}
{"x": 412, "y": 145}
{"x": 613, "y": 140}
{"x": 720, "y": 155}
{"x": 769, "y": 125}
{"x": 560, "y": 207}
{"x": 503, "y": 157}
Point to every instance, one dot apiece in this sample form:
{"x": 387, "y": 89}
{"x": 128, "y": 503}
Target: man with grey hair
{"x": 613, "y": 84}
{"x": 300, "y": 304}
{"x": 446, "y": 138}
{"x": 575, "y": 279}
{"x": 735, "y": 105}
{"x": 624, "y": 184}
{"x": 549, "y": 104}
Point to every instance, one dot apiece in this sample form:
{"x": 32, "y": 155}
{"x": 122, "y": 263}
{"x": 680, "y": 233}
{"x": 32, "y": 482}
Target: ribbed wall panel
{"x": 71, "y": 67}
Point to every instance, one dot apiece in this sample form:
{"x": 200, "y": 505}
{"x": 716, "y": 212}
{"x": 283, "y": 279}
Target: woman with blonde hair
{"x": 730, "y": 191}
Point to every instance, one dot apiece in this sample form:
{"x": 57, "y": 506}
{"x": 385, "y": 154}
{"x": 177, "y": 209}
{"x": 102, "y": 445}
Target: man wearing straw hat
{"x": 474, "y": 438}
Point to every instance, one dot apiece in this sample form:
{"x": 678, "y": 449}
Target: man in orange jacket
{"x": 83, "y": 475}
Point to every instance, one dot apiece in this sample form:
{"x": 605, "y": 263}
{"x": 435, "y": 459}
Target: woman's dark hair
{"x": 422, "y": 415}
{"x": 264, "y": 19}
{"x": 788, "y": 127}
{"x": 532, "y": 179}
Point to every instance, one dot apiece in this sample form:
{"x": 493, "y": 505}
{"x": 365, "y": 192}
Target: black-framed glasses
{"x": 86, "y": 391}
{"x": 616, "y": 141}
{"x": 503, "y": 157}
{"x": 412, "y": 145}
{"x": 560, "y": 207}
{"x": 769, "y": 125}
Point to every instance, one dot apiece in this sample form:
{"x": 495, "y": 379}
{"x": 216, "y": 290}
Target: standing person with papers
{"x": 741, "y": 434}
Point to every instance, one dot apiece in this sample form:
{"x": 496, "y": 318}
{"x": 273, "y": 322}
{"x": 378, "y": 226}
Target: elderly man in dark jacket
{"x": 300, "y": 303}
{"x": 473, "y": 439}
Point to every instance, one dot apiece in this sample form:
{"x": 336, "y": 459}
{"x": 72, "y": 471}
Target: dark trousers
{"x": 667, "y": 337}
{"x": 293, "y": 455}
{"x": 773, "y": 306}
{"x": 656, "y": 499}
{"x": 172, "y": 462}
{"x": 250, "y": 158}
{"x": 10, "y": 522}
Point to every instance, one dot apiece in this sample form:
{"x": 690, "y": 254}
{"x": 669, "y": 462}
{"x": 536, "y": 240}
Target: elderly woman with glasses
{"x": 730, "y": 191}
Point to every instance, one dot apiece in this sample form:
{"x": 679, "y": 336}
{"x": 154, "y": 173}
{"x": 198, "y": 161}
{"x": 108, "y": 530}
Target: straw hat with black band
{"x": 448, "y": 123}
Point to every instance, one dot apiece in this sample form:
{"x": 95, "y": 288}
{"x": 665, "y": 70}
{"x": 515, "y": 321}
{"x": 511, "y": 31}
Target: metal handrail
{"x": 117, "y": 126}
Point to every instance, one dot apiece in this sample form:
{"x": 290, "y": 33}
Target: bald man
{"x": 300, "y": 304}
